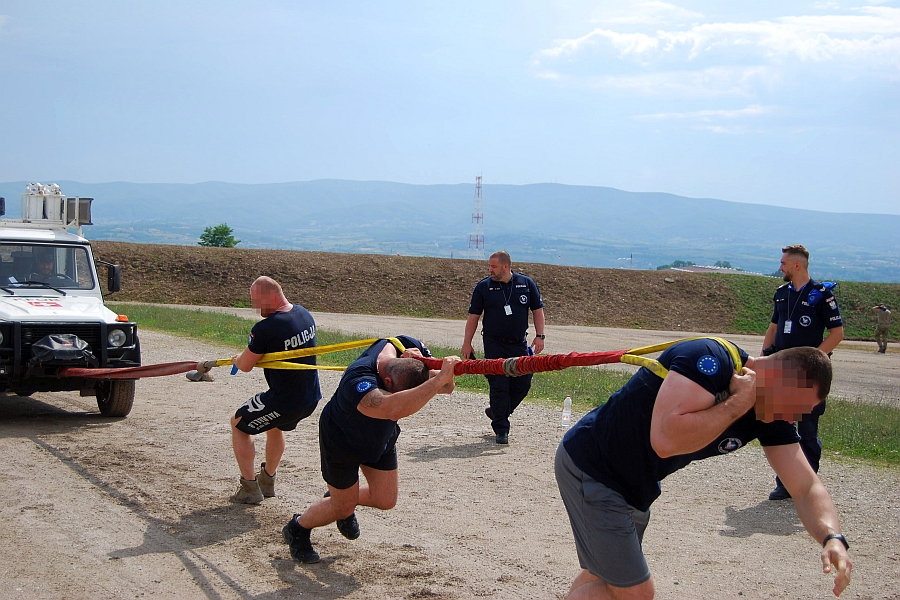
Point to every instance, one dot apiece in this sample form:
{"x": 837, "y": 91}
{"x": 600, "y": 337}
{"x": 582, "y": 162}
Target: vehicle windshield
{"x": 57, "y": 266}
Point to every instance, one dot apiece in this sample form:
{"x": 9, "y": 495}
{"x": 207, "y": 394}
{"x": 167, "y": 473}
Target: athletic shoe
{"x": 779, "y": 493}
{"x": 502, "y": 438}
{"x": 247, "y": 493}
{"x": 297, "y": 538}
{"x": 348, "y": 527}
{"x": 266, "y": 482}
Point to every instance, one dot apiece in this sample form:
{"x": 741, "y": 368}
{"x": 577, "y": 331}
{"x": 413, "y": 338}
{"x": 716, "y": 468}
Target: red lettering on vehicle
{"x": 42, "y": 304}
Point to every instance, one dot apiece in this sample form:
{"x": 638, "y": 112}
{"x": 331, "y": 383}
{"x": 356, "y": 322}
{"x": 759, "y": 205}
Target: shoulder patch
{"x": 364, "y": 386}
{"x": 708, "y": 364}
{"x": 814, "y": 296}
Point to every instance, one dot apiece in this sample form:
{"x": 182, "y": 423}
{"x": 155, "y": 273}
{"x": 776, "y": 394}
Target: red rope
{"x": 521, "y": 365}
{"x": 529, "y": 364}
{"x": 129, "y": 372}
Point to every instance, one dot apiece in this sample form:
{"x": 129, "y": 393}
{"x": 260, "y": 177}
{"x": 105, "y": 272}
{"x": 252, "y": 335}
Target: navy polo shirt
{"x": 282, "y": 331}
{"x": 490, "y": 297}
{"x": 810, "y": 311}
{"x": 612, "y": 442}
{"x": 359, "y": 435}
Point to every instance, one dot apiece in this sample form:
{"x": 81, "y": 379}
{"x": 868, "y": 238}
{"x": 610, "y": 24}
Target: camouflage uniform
{"x": 884, "y": 324}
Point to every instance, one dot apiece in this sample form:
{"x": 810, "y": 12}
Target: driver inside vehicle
{"x": 45, "y": 265}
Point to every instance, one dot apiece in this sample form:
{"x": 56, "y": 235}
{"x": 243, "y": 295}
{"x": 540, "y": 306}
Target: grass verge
{"x": 867, "y": 429}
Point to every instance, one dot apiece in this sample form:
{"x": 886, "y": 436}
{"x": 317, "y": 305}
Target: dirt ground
{"x": 137, "y": 507}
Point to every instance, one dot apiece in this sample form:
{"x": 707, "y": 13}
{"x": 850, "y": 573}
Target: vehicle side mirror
{"x": 114, "y": 278}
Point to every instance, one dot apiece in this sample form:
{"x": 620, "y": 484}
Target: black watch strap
{"x": 836, "y": 536}
{"x": 540, "y": 335}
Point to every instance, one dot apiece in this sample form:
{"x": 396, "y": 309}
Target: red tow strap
{"x": 521, "y": 365}
{"x": 524, "y": 365}
{"x": 130, "y": 372}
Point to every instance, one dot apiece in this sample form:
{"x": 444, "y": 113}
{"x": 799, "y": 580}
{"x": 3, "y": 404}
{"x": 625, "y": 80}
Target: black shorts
{"x": 260, "y": 413}
{"x": 340, "y": 465}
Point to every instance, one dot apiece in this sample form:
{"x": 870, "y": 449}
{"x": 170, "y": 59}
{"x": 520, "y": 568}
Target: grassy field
{"x": 855, "y": 299}
{"x": 870, "y": 431}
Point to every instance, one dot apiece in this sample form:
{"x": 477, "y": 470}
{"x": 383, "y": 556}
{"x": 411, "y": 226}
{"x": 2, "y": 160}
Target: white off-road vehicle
{"x": 51, "y": 306}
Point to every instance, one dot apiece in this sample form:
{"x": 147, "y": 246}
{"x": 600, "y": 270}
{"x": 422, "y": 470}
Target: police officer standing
{"x": 505, "y": 297}
{"x": 804, "y": 309}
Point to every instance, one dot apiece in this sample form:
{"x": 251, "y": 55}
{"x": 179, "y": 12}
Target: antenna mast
{"x": 476, "y": 238}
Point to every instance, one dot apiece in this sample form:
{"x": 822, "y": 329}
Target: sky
{"x": 788, "y": 103}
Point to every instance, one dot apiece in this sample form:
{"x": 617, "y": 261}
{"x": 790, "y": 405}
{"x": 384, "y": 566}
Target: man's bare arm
{"x": 381, "y": 404}
{"x": 814, "y": 507}
{"x": 246, "y": 360}
{"x": 769, "y": 338}
{"x": 471, "y": 327}
{"x": 834, "y": 338}
{"x": 686, "y": 417}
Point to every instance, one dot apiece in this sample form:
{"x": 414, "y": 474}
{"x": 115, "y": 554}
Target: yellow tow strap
{"x": 278, "y": 360}
{"x": 632, "y": 356}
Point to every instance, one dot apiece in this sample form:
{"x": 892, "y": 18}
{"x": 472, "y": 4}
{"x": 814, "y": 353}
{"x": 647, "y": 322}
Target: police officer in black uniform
{"x": 358, "y": 431}
{"x": 610, "y": 464}
{"x": 505, "y": 297}
{"x": 292, "y": 395}
{"x": 804, "y": 309}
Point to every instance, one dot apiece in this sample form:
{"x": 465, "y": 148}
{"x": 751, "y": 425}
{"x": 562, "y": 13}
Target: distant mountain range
{"x": 547, "y": 223}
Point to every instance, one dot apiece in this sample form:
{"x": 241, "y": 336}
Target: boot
{"x": 266, "y": 482}
{"x": 248, "y": 492}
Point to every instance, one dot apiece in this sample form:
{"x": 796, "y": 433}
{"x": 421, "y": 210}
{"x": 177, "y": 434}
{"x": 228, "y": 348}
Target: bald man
{"x": 292, "y": 394}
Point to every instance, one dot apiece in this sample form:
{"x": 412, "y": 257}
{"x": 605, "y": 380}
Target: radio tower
{"x": 476, "y": 238}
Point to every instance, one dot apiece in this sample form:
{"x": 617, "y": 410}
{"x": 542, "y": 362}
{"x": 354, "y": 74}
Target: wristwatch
{"x": 836, "y": 536}
{"x": 540, "y": 335}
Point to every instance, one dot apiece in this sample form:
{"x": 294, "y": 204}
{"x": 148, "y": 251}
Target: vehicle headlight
{"x": 116, "y": 338}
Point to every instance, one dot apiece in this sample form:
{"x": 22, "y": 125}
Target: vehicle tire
{"x": 115, "y": 397}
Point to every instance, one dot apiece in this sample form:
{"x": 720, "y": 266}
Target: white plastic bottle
{"x": 566, "y": 418}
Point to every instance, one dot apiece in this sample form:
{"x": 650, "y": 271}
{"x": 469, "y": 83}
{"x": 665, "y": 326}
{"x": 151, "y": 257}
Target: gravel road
{"x": 137, "y": 507}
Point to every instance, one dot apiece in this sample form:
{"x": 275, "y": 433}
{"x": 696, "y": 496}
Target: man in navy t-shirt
{"x": 803, "y": 310}
{"x": 505, "y": 298}
{"x": 358, "y": 431}
{"x": 292, "y": 394}
{"x": 610, "y": 464}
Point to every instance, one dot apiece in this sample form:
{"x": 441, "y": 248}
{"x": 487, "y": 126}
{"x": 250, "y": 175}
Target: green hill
{"x": 439, "y": 287}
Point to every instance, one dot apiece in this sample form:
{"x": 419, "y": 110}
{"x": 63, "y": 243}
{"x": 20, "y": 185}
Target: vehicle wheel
{"x": 115, "y": 397}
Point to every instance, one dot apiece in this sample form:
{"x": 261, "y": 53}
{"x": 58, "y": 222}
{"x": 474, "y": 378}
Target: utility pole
{"x": 476, "y": 238}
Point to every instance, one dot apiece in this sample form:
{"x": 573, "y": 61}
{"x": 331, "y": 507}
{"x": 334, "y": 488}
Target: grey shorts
{"x": 608, "y": 531}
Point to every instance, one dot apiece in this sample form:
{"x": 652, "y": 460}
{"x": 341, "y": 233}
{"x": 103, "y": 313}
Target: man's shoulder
{"x": 482, "y": 283}
{"x": 523, "y": 276}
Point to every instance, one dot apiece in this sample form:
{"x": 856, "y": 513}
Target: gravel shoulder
{"x": 94, "y": 507}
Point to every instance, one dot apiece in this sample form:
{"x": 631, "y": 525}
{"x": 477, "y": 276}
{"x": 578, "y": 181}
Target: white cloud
{"x": 753, "y": 110}
{"x": 704, "y": 83}
{"x": 870, "y": 37}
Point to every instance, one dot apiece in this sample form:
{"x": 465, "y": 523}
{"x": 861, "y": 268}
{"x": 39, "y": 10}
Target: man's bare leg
{"x": 274, "y": 449}
{"x": 244, "y": 450}
{"x": 380, "y": 489}
{"x": 590, "y": 587}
